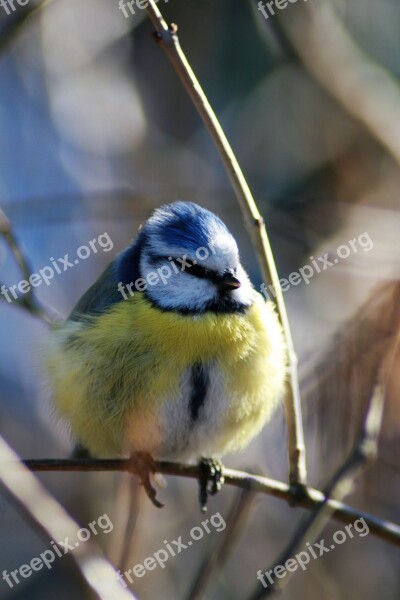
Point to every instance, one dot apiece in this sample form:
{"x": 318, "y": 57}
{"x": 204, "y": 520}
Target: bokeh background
{"x": 95, "y": 131}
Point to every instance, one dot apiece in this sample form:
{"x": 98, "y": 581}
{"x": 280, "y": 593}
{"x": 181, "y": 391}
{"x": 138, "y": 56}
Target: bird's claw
{"x": 143, "y": 465}
{"x": 211, "y": 472}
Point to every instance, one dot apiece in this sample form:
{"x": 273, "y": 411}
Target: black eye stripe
{"x": 191, "y": 268}
{"x": 197, "y": 270}
{"x": 186, "y": 266}
{"x": 201, "y": 272}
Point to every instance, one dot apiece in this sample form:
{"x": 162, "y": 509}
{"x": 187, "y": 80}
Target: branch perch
{"x": 342, "y": 512}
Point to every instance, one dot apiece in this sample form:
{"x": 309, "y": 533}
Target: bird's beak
{"x": 229, "y": 282}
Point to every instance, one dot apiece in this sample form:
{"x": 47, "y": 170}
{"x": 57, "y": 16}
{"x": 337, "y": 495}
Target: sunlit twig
{"x": 168, "y": 40}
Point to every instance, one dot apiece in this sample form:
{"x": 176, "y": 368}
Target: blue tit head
{"x": 190, "y": 262}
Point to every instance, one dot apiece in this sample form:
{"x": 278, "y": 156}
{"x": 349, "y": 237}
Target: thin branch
{"x": 258, "y": 483}
{"x": 32, "y": 307}
{"x": 339, "y": 486}
{"x": 8, "y": 234}
{"x": 28, "y": 301}
{"x": 52, "y": 522}
{"x": 168, "y": 40}
{"x": 217, "y": 557}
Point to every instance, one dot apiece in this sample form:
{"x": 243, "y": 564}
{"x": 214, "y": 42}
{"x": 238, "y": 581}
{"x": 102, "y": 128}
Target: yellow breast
{"x": 129, "y": 360}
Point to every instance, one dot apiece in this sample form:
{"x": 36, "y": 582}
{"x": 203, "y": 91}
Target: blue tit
{"x": 171, "y": 351}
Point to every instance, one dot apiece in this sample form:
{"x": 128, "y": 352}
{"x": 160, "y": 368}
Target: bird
{"x": 171, "y": 352}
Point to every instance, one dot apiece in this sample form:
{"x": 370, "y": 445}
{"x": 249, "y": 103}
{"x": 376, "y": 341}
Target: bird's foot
{"x": 143, "y": 465}
{"x": 211, "y": 472}
{"x": 79, "y": 451}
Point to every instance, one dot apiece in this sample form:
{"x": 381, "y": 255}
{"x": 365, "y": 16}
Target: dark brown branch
{"x": 258, "y": 483}
{"x": 339, "y": 486}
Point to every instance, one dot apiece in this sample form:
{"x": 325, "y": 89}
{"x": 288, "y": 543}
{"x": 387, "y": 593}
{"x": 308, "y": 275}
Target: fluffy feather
{"x": 122, "y": 380}
{"x": 192, "y": 365}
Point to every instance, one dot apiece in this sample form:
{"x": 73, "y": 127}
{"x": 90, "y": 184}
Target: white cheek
{"x": 244, "y": 294}
{"x": 182, "y": 291}
{"x": 172, "y": 290}
{"x": 170, "y": 287}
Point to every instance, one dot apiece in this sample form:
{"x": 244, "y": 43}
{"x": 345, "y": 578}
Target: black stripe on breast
{"x": 199, "y": 384}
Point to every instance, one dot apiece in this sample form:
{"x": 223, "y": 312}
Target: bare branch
{"x": 168, "y": 40}
{"x": 28, "y": 301}
{"x": 8, "y": 234}
{"x": 342, "y": 512}
{"x": 339, "y": 486}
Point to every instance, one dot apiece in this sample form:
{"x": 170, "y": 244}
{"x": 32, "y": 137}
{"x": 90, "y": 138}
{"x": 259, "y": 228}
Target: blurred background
{"x": 95, "y": 131}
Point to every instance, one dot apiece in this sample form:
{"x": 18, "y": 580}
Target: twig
{"x": 28, "y": 301}
{"x": 32, "y": 307}
{"x": 342, "y": 512}
{"x": 52, "y": 522}
{"x": 168, "y": 40}
{"x": 217, "y": 557}
{"x": 339, "y": 486}
{"x": 8, "y": 234}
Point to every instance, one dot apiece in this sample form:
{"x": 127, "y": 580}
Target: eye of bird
{"x": 198, "y": 271}
{"x": 191, "y": 267}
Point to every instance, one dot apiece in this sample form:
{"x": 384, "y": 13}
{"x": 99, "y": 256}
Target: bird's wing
{"x": 100, "y": 296}
{"x": 104, "y": 292}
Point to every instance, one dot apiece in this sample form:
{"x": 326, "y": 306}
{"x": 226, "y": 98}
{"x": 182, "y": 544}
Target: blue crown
{"x": 185, "y": 224}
